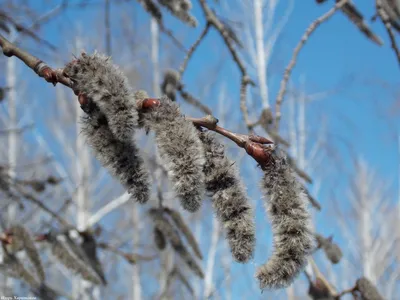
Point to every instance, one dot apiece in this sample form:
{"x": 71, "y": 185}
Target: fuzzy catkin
{"x": 17, "y": 270}
{"x": 229, "y": 198}
{"x": 21, "y": 235}
{"x": 162, "y": 224}
{"x": 170, "y": 84}
{"x": 121, "y": 158}
{"x": 180, "y": 150}
{"x": 285, "y": 203}
{"x": 104, "y": 84}
{"x": 159, "y": 239}
{"x": 332, "y": 251}
{"x": 63, "y": 249}
{"x": 180, "y": 9}
{"x": 367, "y": 290}
{"x": 185, "y": 230}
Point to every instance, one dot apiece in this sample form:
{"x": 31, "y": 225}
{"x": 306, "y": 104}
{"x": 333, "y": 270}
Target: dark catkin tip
{"x": 229, "y": 198}
{"x": 180, "y": 149}
{"x": 286, "y": 205}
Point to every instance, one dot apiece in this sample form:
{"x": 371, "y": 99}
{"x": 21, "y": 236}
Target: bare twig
{"x": 193, "y": 101}
{"x": 131, "y": 258}
{"x": 314, "y": 25}
{"x": 25, "y": 30}
{"x": 245, "y": 80}
{"x": 254, "y": 145}
{"x": 193, "y": 49}
{"x": 386, "y": 21}
{"x": 107, "y": 25}
{"x": 40, "y": 68}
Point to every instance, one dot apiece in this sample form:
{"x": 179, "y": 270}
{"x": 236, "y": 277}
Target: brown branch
{"x": 245, "y": 80}
{"x": 193, "y": 49}
{"x": 386, "y": 21}
{"x": 40, "y": 68}
{"x": 344, "y": 292}
{"x": 288, "y": 71}
{"x": 131, "y": 258}
{"x": 43, "y": 206}
{"x": 254, "y": 145}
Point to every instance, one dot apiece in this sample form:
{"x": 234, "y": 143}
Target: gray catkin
{"x": 332, "y": 251}
{"x": 21, "y": 235}
{"x": 162, "y": 224}
{"x": 63, "y": 249}
{"x": 185, "y": 230}
{"x": 121, "y": 158}
{"x": 183, "y": 280}
{"x": 104, "y": 84}
{"x": 159, "y": 239}
{"x": 17, "y": 270}
{"x": 229, "y": 198}
{"x": 291, "y": 224}
{"x": 367, "y": 290}
{"x": 170, "y": 84}
{"x": 180, "y": 150}
{"x": 180, "y": 9}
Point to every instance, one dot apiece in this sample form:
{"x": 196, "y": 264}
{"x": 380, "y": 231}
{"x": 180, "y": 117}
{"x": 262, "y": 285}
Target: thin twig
{"x": 385, "y": 19}
{"x": 193, "y": 101}
{"x": 193, "y": 49}
{"x": 107, "y": 26}
{"x": 245, "y": 79}
{"x": 40, "y": 68}
{"x": 25, "y": 30}
{"x": 314, "y": 25}
{"x": 254, "y": 145}
{"x": 131, "y": 258}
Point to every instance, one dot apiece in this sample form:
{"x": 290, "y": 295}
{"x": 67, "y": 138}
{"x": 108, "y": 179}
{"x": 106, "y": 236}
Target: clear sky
{"x": 361, "y": 113}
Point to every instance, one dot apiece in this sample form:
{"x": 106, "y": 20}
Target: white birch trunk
{"x": 261, "y": 59}
{"x": 136, "y": 285}
{"x": 208, "y": 280}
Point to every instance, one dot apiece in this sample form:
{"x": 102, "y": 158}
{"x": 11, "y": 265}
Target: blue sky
{"x": 337, "y": 55}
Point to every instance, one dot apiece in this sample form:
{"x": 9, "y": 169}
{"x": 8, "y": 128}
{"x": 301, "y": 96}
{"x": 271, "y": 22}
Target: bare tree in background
{"x": 82, "y": 216}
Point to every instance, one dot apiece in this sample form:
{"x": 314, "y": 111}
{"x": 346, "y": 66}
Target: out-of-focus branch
{"x": 106, "y": 209}
{"x": 193, "y": 49}
{"x": 193, "y": 101}
{"x": 25, "y": 30}
{"x": 131, "y": 258}
{"x": 288, "y": 71}
{"x": 386, "y": 21}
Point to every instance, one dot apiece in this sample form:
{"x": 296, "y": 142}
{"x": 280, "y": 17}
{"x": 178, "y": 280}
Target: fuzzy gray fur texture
{"x": 104, "y": 83}
{"x": 121, "y": 158}
{"x": 229, "y": 198}
{"x": 286, "y": 205}
{"x": 180, "y": 150}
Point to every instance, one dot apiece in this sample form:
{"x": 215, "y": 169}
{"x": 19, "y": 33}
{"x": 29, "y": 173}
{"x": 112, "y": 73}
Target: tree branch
{"x": 386, "y": 21}
{"x": 213, "y": 20}
{"x": 288, "y": 71}
{"x": 254, "y": 145}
